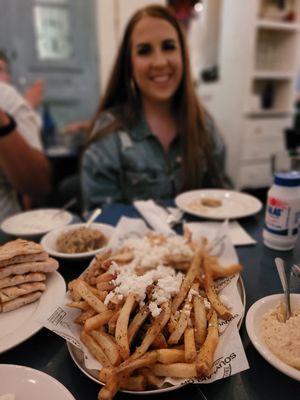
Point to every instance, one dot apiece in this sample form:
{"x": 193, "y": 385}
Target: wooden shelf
{"x": 277, "y": 25}
{"x": 274, "y": 75}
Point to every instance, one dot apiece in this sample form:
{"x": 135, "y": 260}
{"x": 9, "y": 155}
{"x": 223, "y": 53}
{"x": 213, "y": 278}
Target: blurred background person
{"x": 34, "y": 94}
{"x": 24, "y": 169}
{"x": 25, "y": 173}
{"x": 150, "y": 137}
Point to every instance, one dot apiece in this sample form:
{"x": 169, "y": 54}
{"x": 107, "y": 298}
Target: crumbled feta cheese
{"x": 207, "y": 304}
{"x": 191, "y": 293}
{"x": 147, "y": 257}
{"x": 225, "y": 301}
{"x": 154, "y": 309}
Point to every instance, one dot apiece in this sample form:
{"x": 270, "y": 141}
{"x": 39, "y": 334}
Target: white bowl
{"x": 30, "y": 384}
{"x": 30, "y": 224}
{"x": 253, "y": 324}
{"x": 49, "y": 240}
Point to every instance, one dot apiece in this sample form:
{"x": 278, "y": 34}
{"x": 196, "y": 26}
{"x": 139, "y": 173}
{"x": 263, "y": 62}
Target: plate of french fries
{"x": 151, "y": 314}
{"x": 154, "y": 312}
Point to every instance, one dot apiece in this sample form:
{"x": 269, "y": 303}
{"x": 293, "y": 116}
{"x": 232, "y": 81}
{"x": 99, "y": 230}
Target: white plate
{"x": 234, "y": 204}
{"x": 49, "y": 241}
{"x": 30, "y": 384}
{"x": 253, "y": 326}
{"x": 37, "y": 222}
{"x": 19, "y": 325}
{"x": 78, "y": 357}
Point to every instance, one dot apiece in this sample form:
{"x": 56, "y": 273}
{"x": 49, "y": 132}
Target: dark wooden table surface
{"x": 47, "y": 352}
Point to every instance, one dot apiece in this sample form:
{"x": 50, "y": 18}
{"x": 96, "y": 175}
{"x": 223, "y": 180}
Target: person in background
{"x": 24, "y": 170}
{"x": 150, "y": 137}
{"x": 33, "y": 94}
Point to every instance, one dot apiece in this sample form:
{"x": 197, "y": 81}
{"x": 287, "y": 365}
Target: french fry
{"x": 137, "y": 322}
{"x": 205, "y": 356}
{"x": 181, "y": 325}
{"x": 131, "y": 365}
{"x": 108, "y": 345}
{"x": 221, "y": 310}
{"x": 107, "y": 286}
{"x": 160, "y": 342}
{"x": 102, "y": 295}
{"x": 110, "y": 389}
{"x": 134, "y": 383}
{"x": 153, "y": 331}
{"x": 177, "y": 370}
{"x": 190, "y": 351}
{"x": 81, "y": 305}
{"x": 80, "y": 288}
{"x": 98, "y": 320}
{"x": 113, "y": 322}
{"x": 95, "y": 349}
{"x": 121, "y": 333}
{"x": 96, "y": 265}
{"x": 89, "y": 313}
{"x": 200, "y": 322}
{"x": 187, "y": 281}
{"x": 151, "y": 378}
{"x": 106, "y": 277}
{"x": 170, "y": 356}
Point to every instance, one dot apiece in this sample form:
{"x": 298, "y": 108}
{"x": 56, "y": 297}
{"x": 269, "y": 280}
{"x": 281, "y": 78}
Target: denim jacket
{"x": 131, "y": 164}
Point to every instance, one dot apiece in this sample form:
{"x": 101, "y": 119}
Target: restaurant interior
{"x": 224, "y": 262}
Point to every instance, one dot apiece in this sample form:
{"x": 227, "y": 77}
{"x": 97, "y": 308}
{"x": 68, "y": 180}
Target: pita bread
{"x": 13, "y": 292}
{"x": 14, "y": 280}
{"x": 50, "y": 265}
{"x": 21, "y": 250}
{"x": 20, "y": 301}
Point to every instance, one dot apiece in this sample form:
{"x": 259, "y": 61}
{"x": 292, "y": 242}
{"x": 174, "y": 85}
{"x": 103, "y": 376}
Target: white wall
{"x": 112, "y": 16}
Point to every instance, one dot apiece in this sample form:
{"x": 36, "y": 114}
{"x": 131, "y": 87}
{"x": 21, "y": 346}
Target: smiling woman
{"x": 150, "y": 137}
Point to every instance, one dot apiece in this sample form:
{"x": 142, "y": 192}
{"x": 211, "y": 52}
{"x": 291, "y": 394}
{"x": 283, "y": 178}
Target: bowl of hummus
{"x": 275, "y": 339}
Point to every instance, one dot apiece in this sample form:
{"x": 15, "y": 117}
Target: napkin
{"x": 237, "y": 234}
{"x": 156, "y": 217}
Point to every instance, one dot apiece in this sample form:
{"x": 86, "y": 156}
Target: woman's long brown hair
{"x": 120, "y": 94}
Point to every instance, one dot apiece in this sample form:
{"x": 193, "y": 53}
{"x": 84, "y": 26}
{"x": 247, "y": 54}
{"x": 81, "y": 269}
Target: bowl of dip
{"x": 35, "y": 223}
{"x": 74, "y": 242}
{"x": 277, "y": 341}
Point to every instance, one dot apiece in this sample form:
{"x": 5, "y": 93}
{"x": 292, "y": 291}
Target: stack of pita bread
{"x": 23, "y": 268}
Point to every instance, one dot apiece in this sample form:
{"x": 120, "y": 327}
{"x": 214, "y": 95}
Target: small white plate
{"x": 253, "y": 325}
{"x": 36, "y": 223}
{"x": 18, "y": 325}
{"x": 30, "y": 384}
{"x": 234, "y": 204}
{"x": 49, "y": 240}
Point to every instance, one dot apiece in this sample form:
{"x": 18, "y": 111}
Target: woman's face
{"x": 156, "y": 59}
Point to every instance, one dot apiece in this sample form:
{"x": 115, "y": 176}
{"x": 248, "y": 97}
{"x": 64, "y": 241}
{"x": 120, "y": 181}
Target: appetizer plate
{"x": 232, "y": 204}
{"x": 34, "y": 223}
{"x": 18, "y": 325}
{"x": 253, "y": 325}
{"x": 30, "y": 384}
{"x": 50, "y": 239}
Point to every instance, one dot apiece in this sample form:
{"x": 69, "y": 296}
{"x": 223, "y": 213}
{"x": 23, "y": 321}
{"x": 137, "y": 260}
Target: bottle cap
{"x": 289, "y": 179}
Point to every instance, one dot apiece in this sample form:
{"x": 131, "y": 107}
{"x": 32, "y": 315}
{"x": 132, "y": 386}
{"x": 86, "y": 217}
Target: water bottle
{"x": 283, "y": 211}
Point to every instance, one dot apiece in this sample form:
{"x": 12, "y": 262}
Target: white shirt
{"x": 29, "y": 126}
